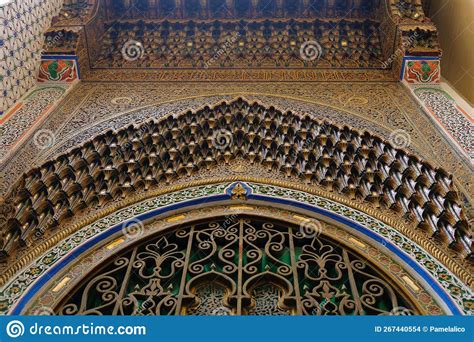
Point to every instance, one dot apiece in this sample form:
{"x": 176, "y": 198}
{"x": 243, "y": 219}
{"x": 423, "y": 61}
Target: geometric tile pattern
{"x": 450, "y": 116}
{"x": 22, "y": 26}
{"x": 29, "y": 111}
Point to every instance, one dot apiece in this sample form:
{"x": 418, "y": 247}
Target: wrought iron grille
{"x": 251, "y": 266}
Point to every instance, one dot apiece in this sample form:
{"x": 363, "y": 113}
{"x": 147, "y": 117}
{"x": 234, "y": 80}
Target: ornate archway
{"x": 356, "y": 164}
{"x": 237, "y": 265}
{"x": 355, "y": 169}
{"x": 430, "y": 285}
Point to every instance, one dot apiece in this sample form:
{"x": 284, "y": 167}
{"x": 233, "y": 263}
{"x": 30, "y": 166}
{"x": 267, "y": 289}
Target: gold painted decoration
{"x": 355, "y": 164}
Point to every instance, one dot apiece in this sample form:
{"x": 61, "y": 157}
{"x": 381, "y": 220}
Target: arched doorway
{"x": 201, "y": 154}
{"x": 242, "y": 264}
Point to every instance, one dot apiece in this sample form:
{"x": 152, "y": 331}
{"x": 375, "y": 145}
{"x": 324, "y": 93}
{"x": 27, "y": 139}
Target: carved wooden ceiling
{"x": 231, "y": 9}
{"x": 336, "y": 39}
